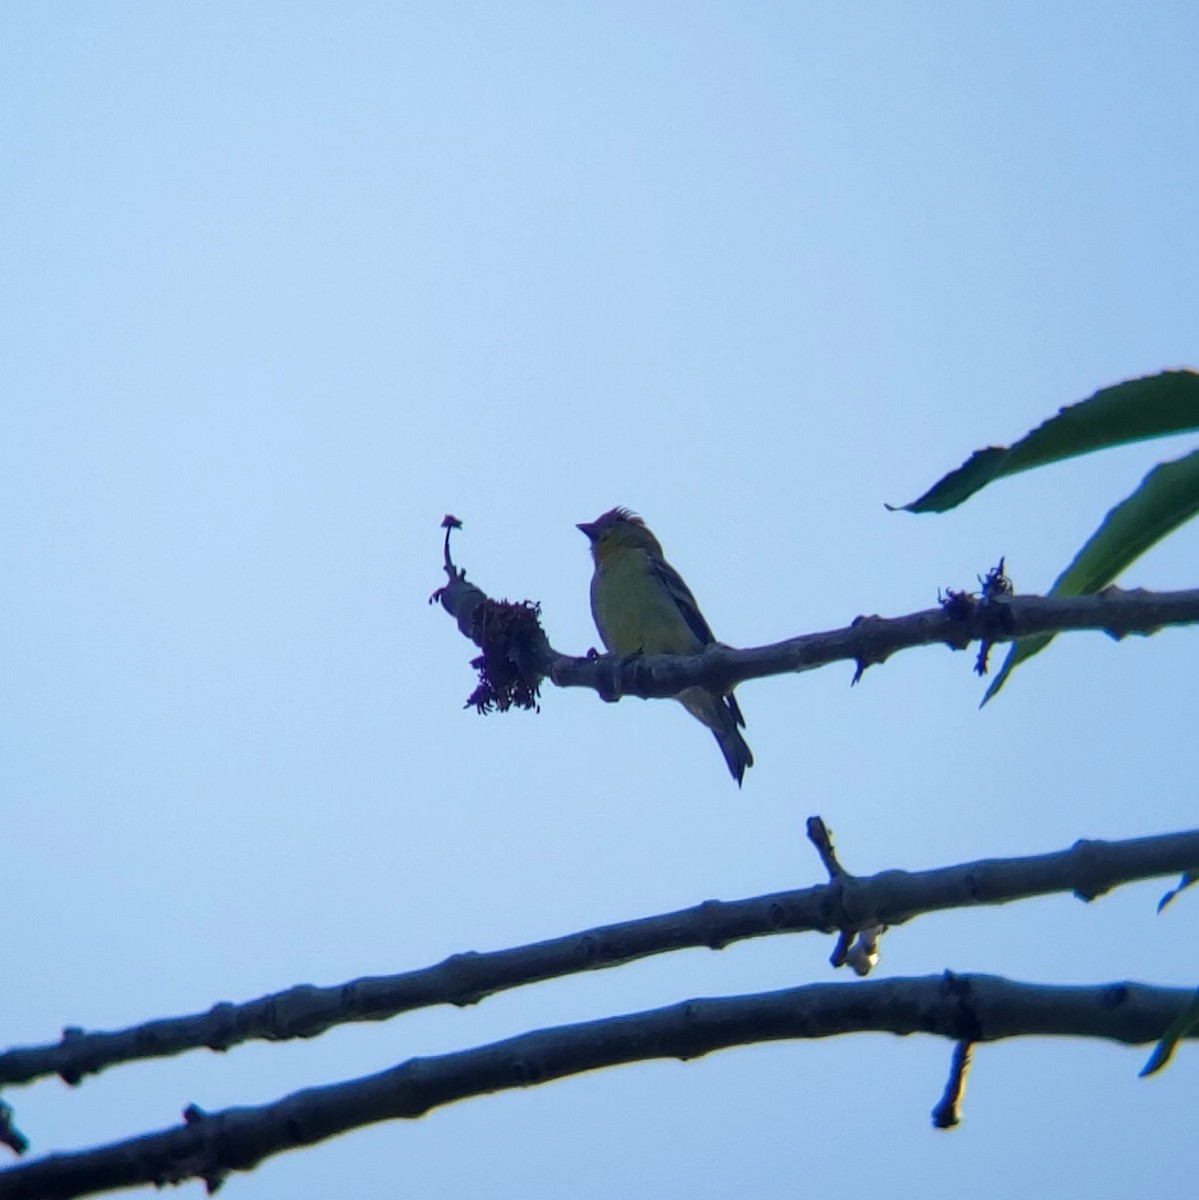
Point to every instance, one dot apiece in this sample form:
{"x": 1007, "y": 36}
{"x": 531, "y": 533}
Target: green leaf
{"x": 1167, "y": 498}
{"x": 1184, "y": 1023}
{"x": 1188, "y": 878}
{"x": 1154, "y": 406}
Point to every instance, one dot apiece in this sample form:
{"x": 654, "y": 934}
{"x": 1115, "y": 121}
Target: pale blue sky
{"x": 282, "y": 284}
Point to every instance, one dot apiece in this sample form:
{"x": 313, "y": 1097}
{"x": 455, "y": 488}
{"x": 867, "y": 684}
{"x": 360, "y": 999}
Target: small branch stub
{"x": 948, "y": 1111}
{"x": 996, "y": 588}
{"x": 821, "y": 836}
{"x": 991, "y": 605}
{"x": 10, "y": 1135}
{"x": 857, "y": 945}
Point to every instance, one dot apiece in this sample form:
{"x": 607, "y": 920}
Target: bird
{"x": 642, "y": 606}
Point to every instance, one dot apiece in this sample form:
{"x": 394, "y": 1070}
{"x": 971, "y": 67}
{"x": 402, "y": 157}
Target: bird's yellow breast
{"x": 634, "y": 610}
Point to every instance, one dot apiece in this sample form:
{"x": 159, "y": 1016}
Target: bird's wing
{"x": 681, "y": 594}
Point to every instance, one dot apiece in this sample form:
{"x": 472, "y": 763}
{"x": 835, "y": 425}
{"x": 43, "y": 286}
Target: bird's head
{"x": 619, "y": 529}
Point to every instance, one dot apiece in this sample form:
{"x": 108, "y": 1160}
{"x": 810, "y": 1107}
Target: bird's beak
{"x": 588, "y": 527}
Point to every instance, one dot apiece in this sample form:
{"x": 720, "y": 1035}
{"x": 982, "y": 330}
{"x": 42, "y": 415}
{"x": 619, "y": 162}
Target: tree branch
{"x": 968, "y": 1008}
{"x": 960, "y": 620}
{"x": 849, "y": 902}
{"x": 870, "y": 640}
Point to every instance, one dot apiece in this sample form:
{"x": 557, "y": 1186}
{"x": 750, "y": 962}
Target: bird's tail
{"x": 735, "y": 750}
{"x": 722, "y": 715}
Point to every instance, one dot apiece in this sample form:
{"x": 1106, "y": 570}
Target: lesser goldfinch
{"x": 642, "y": 606}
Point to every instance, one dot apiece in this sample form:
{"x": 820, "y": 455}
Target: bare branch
{"x": 961, "y": 619}
{"x": 870, "y": 640}
{"x": 849, "y": 903}
{"x": 966, "y": 1008}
